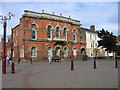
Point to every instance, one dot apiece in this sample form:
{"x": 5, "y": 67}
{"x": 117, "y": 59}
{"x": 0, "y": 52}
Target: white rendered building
{"x": 91, "y": 38}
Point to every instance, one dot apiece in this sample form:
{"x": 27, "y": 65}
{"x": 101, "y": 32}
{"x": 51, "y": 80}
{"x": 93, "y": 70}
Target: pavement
{"x": 41, "y": 74}
{"x": 0, "y": 75}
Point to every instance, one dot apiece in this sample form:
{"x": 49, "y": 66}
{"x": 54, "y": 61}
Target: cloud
{"x": 101, "y": 14}
{"x": 110, "y": 28}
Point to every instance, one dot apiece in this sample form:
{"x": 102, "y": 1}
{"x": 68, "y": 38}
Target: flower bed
{"x": 56, "y": 59}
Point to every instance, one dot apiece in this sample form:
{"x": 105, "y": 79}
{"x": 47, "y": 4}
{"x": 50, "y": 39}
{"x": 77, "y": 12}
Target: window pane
{"x": 90, "y": 36}
{"x": 64, "y": 32}
{"x": 74, "y": 37}
{"x": 34, "y": 51}
{"x": 74, "y": 52}
{"x": 93, "y": 44}
{"x": 57, "y": 32}
{"x": 49, "y": 51}
{"x": 33, "y": 34}
{"x": 49, "y": 32}
{"x": 65, "y": 52}
{"x": 91, "y": 53}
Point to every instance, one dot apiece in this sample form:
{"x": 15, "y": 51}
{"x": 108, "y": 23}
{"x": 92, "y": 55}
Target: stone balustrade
{"x": 50, "y": 17}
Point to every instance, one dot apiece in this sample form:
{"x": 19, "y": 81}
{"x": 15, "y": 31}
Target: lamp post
{"x": 12, "y": 63}
{"x": 4, "y": 19}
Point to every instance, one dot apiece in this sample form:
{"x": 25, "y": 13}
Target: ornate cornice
{"x": 53, "y": 17}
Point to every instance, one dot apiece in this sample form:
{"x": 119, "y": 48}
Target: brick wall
{"x": 23, "y": 41}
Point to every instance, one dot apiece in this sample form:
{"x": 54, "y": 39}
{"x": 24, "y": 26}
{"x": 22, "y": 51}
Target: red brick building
{"x": 8, "y": 46}
{"x": 41, "y": 34}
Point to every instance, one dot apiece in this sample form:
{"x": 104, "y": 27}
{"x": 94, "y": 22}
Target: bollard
{"x": 4, "y": 66}
{"x": 116, "y": 65}
{"x": 31, "y": 60}
{"x": 72, "y": 65}
{"x": 94, "y": 64}
{"x": 12, "y": 68}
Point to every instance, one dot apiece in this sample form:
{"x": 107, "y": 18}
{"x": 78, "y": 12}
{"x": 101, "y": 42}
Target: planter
{"x": 56, "y": 59}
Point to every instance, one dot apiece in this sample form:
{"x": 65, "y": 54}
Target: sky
{"x": 104, "y": 15}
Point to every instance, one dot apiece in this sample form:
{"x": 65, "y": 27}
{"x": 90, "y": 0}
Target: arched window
{"x": 34, "y": 52}
{"x": 49, "y": 51}
{"x": 65, "y": 32}
{"x": 33, "y": 34}
{"x": 74, "y": 37}
{"x": 74, "y": 52}
{"x": 57, "y": 51}
{"x": 65, "y": 52}
{"x": 34, "y": 25}
{"x": 82, "y": 50}
{"x": 57, "y": 33}
{"x": 49, "y": 32}
{"x": 22, "y": 53}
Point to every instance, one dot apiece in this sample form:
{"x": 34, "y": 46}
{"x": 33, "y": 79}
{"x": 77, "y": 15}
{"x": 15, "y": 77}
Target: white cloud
{"x": 110, "y": 28}
{"x": 102, "y": 15}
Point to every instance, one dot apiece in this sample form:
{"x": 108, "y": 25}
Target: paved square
{"x": 0, "y": 75}
{"x": 58, "y": 75}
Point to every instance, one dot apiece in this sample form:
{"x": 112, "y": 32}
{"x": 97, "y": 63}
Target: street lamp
{"x": 12, "y": 63}
{"x": 4, "y": 19}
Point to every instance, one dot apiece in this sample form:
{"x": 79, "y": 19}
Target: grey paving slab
{"x": 59, "y": 75}
{"x": 0, "y": 75}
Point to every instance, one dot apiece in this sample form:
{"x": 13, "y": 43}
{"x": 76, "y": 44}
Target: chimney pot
{"x": 92, "y": 27}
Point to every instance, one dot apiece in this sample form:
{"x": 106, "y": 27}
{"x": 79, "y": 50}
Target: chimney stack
{"x": 92, "y": 27}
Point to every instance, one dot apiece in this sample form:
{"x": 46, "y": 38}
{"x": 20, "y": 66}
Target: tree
{"x": 117, "y": 49}
{"x": 108, "y": 40}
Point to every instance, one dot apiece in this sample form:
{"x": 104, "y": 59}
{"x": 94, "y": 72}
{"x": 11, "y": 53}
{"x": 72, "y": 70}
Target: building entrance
{"x": 57, "y": 51}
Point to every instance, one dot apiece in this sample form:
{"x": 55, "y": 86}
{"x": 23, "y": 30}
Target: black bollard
{"x": 72, "y": 65}
{"x": 12, "y": 68}
{"x": 31, "y": 60}
{"x": 94, "y": 64}
{"x": 116, "y": 65}
{"x": 18, "y": 60}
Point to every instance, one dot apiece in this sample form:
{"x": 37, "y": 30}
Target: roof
{"x": 118, "y": 37}
{"x": 16, "y": 26}
{"x": 48, "y": 16}
{"x": 86, "y": 29}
